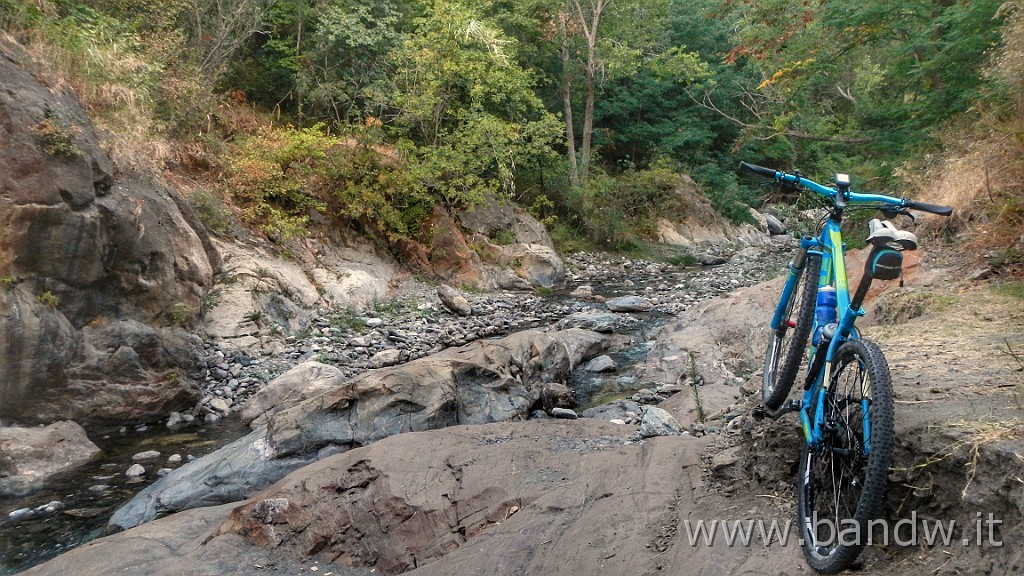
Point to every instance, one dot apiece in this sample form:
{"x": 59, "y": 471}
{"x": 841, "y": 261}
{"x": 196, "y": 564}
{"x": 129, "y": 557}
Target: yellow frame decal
{"x": 838, "y": 261}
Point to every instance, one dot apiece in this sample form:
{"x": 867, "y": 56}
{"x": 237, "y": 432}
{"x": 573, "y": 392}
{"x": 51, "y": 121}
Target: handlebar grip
{"x": 932, "y": 208}
{"x": 758, "y": 169}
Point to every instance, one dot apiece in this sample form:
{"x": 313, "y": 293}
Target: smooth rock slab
{"x": 507, "y": 498}
{"x": 486, "y": 381}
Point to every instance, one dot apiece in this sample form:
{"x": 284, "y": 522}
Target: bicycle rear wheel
{"x": 842, "y": 484}
{"x": 787, "y": 343}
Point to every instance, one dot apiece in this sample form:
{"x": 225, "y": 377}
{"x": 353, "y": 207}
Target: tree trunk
{"x": 588, "y": 111}
{"x": 570, "y": 132}
{"x": 590, "y": 30}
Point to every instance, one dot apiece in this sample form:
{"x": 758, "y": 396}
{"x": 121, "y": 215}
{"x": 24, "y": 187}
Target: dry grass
{"x": 984, "y": 183}
{"x": 981, "y": 172}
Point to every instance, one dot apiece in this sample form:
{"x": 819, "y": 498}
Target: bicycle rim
{"x": 842, "y": 485}
{"x": 786, "y": 344}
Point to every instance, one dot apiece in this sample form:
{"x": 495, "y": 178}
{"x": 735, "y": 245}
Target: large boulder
{"x": 485, "y": 381}
{"x": 305, "y": 381}
{"x": 542, "y": 497}
{"x": 538, "y": 264}
{"x": 31, "y": 456}
{"x": 82, "y": 246}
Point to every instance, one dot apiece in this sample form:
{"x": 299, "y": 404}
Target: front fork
{"x": 796, "y": 268}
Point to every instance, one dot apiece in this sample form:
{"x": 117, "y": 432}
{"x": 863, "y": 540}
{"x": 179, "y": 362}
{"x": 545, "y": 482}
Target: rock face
{"x": 715, "y": 345}
{"x": 96, "y": 268}
{"x": 260, "y": 294}
{"x": 703, "y": 225}
{"x": 493, "y": 246}
{"x": 486, "y": 381}
{"x": 423, "y": 506}
{"x": 30, "y": 456}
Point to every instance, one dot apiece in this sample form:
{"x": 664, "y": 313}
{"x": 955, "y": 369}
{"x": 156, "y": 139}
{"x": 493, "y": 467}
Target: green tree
{"x": 860, "y": 78}
{"x": 346, "y": 57}
{"x": 464, "y": 105}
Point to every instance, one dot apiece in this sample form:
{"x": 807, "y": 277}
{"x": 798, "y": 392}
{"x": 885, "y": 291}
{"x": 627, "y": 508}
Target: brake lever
{"x": 892, "y": 214}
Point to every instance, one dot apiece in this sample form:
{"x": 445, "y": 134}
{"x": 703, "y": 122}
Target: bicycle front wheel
{"x": 842, "y": 483}
{"x": 787, "y": 342}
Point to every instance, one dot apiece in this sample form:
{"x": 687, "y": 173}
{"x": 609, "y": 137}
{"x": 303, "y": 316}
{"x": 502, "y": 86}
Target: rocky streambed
{"x": 628, "y": 299}
{"x": 414, "y": 323}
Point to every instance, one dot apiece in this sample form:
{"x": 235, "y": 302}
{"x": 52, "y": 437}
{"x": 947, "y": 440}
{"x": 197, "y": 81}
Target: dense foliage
{"x": 585, "y": 111}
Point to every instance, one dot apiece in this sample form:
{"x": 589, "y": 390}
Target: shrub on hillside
{"x": 282, "y": 176}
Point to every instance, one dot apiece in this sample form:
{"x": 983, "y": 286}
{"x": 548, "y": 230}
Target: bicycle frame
{"x": 833, "y": 271}
{"x": 847, "y": 402}
{"x": 829, "y": 244}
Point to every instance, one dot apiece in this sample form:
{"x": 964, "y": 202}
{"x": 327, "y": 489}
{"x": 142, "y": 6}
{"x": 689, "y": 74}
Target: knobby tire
{"x": 838, "y": 482}
{"x": 786, "y": 345}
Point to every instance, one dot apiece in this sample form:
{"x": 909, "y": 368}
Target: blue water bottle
{"x": 824, "y": 311}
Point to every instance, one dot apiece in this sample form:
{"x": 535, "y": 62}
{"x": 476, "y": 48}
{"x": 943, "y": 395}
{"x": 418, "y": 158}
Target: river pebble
{"x": 147, "y": 455}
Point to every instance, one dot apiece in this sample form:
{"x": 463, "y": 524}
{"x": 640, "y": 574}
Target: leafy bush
{"x": 723, "y": 190}
{"x": 57, "y": 135}
{"x": 282, "y": 176}
{"x": 48, "y": 299}
{"x": 647, "y": 195}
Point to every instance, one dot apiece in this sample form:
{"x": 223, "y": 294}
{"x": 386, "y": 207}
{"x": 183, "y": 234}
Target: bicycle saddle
{"x": 883, "y": 232}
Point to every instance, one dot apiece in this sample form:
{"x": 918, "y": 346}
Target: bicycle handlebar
{"x": 758, "y": 169}
{"x": 856, "y": 197}
{"x": 925, "y": 207}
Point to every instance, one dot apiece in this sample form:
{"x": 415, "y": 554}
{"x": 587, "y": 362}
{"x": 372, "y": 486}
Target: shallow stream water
{"x": 88, "y": 496}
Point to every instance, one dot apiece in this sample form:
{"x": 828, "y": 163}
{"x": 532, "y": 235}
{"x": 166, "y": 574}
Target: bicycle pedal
{"x": 759, "y": 412}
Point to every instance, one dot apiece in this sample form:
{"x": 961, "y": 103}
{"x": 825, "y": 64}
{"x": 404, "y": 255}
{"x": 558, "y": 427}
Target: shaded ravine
{"x": 87, "y": 497}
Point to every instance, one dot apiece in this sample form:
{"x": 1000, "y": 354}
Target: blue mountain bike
{"x": 846, "y": 410}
